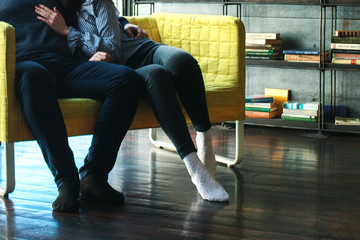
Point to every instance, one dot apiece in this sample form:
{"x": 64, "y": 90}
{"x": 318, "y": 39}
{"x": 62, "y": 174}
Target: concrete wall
{"x": 299, "y": 28}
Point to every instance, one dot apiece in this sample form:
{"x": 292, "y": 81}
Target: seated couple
{"x": 67, "y": 49}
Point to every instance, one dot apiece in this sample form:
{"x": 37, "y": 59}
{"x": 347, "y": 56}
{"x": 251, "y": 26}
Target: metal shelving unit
{"x": 322, "y": 66}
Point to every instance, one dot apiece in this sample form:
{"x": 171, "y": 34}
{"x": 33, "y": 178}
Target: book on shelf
{"x": 263, "y": 35}
{"x": 347, "y": 121}
{"x": 300, "y": 111}
{"x": 301, "y": 105}
{"x": 253, "y": 47}
{"x": 305, "y": 58}
{"x": 279, "y": 95}
{"x": 345, "y": 51}
{"x": 260, "y": 109}
{"x": 261, "y": 53}
{"x": 262, "y": 104}
{"x": 263, "y": 41}
{"x": 258, "y": 99}
{"x": 346, "y": 46}
{"x": 303, "y": 112}
{"x": 262, "y": 57}
{"x": 258, "y": 114}
{"x": 301, "y": 51}
{"x": 303, "y": 118}
{"x": 345, "y": 61}
{"x": 260, "y": 41}
{"x": 347, "y": 33}
{"x": 338, "y": 55}
{"x": 260, "y": 50}
{"x": 336, "y": 39}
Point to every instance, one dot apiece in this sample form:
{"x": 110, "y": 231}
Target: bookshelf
{"x": 323, "y": 6}
{"x": 322, "y": 67}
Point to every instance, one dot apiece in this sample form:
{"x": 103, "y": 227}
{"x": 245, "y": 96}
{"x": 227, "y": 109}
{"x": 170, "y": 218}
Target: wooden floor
{"x": 291, "y": 185}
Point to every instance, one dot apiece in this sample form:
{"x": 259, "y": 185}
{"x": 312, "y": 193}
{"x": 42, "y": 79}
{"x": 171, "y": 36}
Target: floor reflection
{"x": 9, "y": 220}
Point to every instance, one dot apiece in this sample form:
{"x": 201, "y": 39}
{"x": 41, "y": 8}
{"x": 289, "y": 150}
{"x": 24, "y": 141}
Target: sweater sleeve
{"x": 98, "y": 31}
{"x": 123, "y": 21}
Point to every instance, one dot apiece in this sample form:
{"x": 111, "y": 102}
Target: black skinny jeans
{"x": 166, "y": 71}
{"x": 41, "y": 81}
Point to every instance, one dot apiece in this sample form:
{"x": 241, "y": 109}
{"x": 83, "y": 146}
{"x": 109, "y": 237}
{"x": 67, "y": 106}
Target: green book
{"x": 261, "y": 50}
{"x": 297, "y": 118}
{"x": 260, "y": 109}
{"x": 251, "y": 53}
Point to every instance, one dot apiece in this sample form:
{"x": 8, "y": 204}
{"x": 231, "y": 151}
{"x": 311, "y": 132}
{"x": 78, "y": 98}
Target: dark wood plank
{"x": 292, "y": 184}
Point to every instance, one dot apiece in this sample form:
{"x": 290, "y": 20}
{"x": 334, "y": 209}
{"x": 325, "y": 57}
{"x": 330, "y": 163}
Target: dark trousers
{"x": 168, "y": 72}
{"x": 41, "y": 81}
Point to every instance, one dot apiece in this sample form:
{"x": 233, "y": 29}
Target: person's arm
{"x": 56, "y": 21}
{"x": 106, "y": 39}
{"x": 132, "y": 30}
{"x": 123, "y": 21}
{"x": 53, "y": 18}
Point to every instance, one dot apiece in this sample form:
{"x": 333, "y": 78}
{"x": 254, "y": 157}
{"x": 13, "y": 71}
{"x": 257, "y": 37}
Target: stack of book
{"x": 309, "y": 56}
{"x": 300, "y": 111}
{"x": 345, "y": 47}
{"x": 280, "y": 96}
{"x": 260, "y": 107}
{"x": 263, "y": 46}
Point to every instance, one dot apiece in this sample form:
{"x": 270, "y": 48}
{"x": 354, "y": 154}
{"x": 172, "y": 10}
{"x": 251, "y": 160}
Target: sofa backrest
{"x": 217, "y": 43}
{"x": 148, "y": 23}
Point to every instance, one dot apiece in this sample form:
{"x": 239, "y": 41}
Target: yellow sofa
{"x": 217, "y": 42}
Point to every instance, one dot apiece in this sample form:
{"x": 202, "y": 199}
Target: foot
{"x": 208, "y": 188}
{"x": 206, "y": 151}
{"x": 95, "y": 187}
{"x": 67, "y": 200}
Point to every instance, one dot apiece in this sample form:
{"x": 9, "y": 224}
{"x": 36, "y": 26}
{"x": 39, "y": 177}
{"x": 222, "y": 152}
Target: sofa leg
{"x": 157, "y": 143}
{"x": 9, "y": 184}
{"x": 239, "y": 145}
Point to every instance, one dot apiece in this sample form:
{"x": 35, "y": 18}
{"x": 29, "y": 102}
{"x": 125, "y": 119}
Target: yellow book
{"x": 279, "y": 95}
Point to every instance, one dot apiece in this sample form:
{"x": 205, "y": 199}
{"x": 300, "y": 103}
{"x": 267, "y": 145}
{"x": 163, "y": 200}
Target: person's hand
{"x": 53, "y": 18}
{"x": 102, "y": 57}
{"x": 135, "y": 31}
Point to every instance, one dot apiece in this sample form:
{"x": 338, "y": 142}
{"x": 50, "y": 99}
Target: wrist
{"x": 66, "y": 32}
{"x": 126, "y": 26}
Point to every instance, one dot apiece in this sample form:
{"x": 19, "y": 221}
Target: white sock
{"x": 206, "y": 151}
{"x": 206, "y": 185}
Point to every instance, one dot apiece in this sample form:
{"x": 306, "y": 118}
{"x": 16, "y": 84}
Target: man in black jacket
{"x": 46, "y": 71}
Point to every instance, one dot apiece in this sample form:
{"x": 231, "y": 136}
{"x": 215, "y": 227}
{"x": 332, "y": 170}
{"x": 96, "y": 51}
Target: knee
{"x": 154, "y": 76}
{"x": 182, "y": 62}
{"x": 134, "y": 80}
{"x": 128, "y": 81}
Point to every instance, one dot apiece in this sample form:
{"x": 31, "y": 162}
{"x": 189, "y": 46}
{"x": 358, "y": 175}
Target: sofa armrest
{"x": 9, "y": 106}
